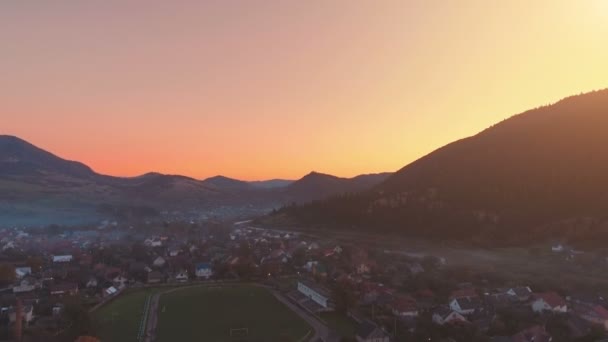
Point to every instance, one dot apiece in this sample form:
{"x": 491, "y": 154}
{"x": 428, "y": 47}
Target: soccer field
{"x": 231, "y": 313}
{"x": 120, "y": 320}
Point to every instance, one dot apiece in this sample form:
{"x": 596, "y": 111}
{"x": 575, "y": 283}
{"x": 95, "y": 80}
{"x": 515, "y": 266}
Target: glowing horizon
{"x": 264, "y": 90}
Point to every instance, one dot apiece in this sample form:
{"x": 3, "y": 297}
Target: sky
{"x": 275, "y": 89}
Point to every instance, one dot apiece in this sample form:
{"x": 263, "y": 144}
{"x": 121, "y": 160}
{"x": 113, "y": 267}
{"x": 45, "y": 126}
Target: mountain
{"x": 18, "y": 157}
{"x": 271, "y": 184}
{"x": 316, "y": 185}
{"x": 225, "y": 183}
{"x": 539, "y": 174}
{"x": 38, "y": 187}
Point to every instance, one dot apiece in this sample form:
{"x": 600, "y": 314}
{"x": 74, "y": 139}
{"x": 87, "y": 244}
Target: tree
{"x": 7, "y": 274}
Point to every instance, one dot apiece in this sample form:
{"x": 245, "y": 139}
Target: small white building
{"x": 445, "y": 315}
{"x": 204, "y": 270}
{"x": 466, "y": 305}
{"x": 21, "y": 272}
{"x": 159, "y": 262}
{"x": 28, "y": 314}
{"x": 317, "y": 294}
{"x": 181, "y": 276}
{"x": 549, "y": 301}
{"x": 62, "y": 258}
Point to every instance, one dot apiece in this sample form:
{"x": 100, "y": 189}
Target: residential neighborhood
{"x": 359, "y": 293}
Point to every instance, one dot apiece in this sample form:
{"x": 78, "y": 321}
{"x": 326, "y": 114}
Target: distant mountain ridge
{"x": 33, "y": 180}
{"x": 537, "y": 174}
{"x": 317, "y": 185}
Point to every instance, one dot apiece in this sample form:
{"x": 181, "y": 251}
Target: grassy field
{"x": 119, "y": 321}
{"x": 209, "y": 314}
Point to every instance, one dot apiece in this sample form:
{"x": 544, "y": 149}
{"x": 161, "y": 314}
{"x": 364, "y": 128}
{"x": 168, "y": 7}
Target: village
{"x": 52, "y": 280}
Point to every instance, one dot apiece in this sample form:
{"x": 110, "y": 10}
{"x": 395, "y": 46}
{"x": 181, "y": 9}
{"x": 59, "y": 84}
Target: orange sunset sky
{"x": 275, "y": 89}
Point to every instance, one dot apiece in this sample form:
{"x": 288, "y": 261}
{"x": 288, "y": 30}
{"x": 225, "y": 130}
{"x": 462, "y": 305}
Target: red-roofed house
{"x": 549, "y": 301}
{"x": 463, "y": 293}
{"x": 404, "y": 306}
{"x": 595, "y": 314}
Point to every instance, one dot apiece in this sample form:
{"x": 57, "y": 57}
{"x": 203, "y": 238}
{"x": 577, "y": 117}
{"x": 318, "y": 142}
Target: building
{"x": 404, "y": 306}
{"x": 64, "y": 289}
{"x": 370, "y": 332}
{"x": 159, "y": 262}
{"x": 445, "y": 315}
{"x": 521, "y": 293}
{"x": 204, "y": 270}
{"x": 317, "y": 294}
{"x": 466, "y": 305}
{"x": 21, "y": 272}
{"x": 27, "y": 315}
{"x": 595, "y": 314}
{"x": 62, "y": 258}
{"x": 549, "y": 301}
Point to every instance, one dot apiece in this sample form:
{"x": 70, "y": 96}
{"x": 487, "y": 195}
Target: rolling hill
{"x": 37, "y": 186}
{"x": 542, "y": 173}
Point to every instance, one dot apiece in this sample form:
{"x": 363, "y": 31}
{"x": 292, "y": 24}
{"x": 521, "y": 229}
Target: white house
{"x": 159, "y": 262}
{"x": 522, "y": 293}
{"x": 92, "y": 282}
{"x": 181, "y": 276}
{"x": 317, "y": 294}
{"x": 62, "y": 258}
{"x": 21, "y": 272}
{"x": 465, "y": 305}
{"x": 27, "y": 315}
{"x": 204, "y": 270}
{"x": 444, "y": 316}
{"x": 549, "y": 301}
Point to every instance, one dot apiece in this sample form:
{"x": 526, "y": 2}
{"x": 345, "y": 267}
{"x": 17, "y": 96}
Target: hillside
{"x": 315, "y": 186}
{"x": 540, "y": 172}
{"x": 38, "y": 187}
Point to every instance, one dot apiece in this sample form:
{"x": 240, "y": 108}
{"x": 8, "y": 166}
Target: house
{"x": 404, "y": 306}
{"x": 27, "y": 314}
{"x": 414, "y": 268}
{"x": 153, "y": 242}
{"x": 536, "y": 333}
{"x": 62, "y": 258}
{"x": 521, "y": 293}
{"x": 445, "y": 315}
{"x": 464, "y": 292}
{"x": 21, "y": 272}
{"x": 119, "y": 281}
{"x": 27, "y": 284}
{"x": 181, "y": 276}
{"x": 370, "y": 332}
{"x": 109, "y": 291}
{"x": 64, "y": 289}
{"x": 174, "y": 251}
{"x": 92, "y": 282}
{"x": 549, "y": 301}
{"x": 466, "y": 305}
{"x": 154, "y": 277}
{"x": 159, "y": 262}
{"x": 204, "y": 270}
{"x": 317, "y": 294}
{"x": 595, "y": 314}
